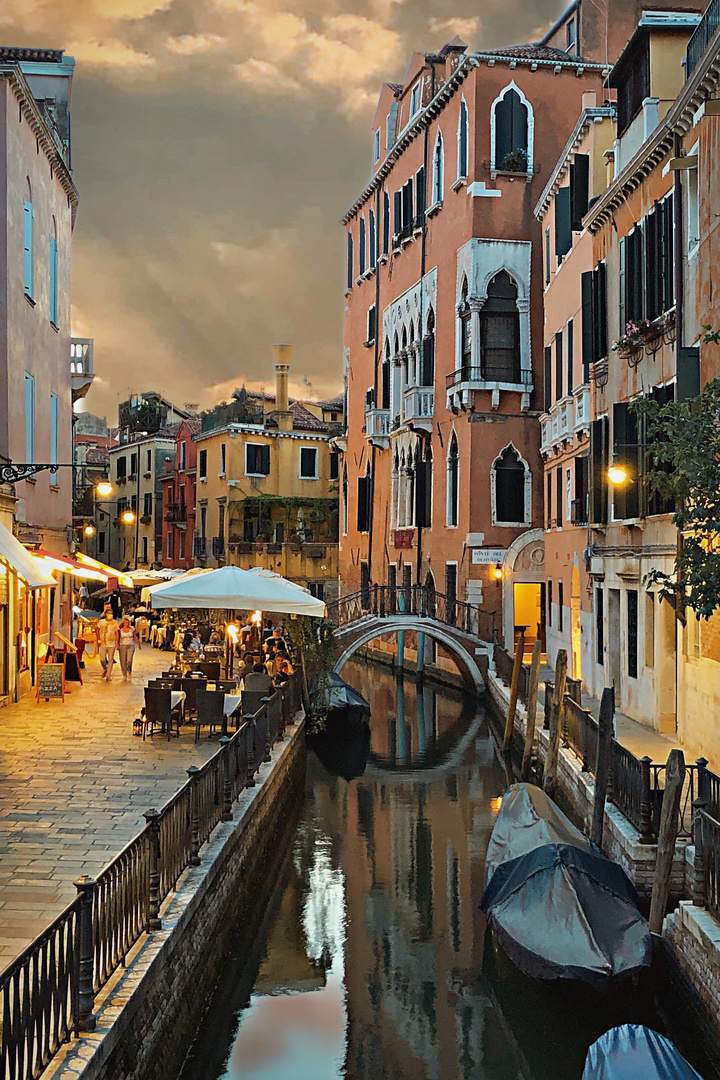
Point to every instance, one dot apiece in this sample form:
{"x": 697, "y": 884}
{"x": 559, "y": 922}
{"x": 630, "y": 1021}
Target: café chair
{"x": 209, "y": 711}
{"x": 158, "y": 711}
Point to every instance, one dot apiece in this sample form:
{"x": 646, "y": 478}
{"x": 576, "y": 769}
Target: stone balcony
{"x": 565, "y": 420}
{"x": 81, "y": 367}
{"x": 377, "y": 427}
{"x": 419, "y": 407}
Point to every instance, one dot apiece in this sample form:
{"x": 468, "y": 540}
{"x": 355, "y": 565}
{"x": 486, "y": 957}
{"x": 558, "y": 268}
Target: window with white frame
{"x": 438, "y": 170}
{"x": 511, "y": 132}
{"x": 462, "y": 142}
{"x": 371, "y": 324}
{"x": 376, "y": 147}
{"x": 511, "y": 488}
{"x": 181, "y": 464}
{"x": 223, "y": 458}
{"x": 53, "y": 268}
{"x": 373, "y": 241}
{"x": 453, "y": 483}
{"x": 308, "y": 463}
{"x": 363, "y": 249}
{"x": 414, "y": 99}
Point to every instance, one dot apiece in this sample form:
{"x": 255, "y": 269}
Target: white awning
{"x": 230, "y": 587}
{"x": 19, "y": 558}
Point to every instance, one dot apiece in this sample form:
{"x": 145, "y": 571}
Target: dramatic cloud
{"x": 216, "y": 144}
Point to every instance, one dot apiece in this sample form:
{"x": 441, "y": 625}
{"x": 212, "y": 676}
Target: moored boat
{"x": 634, "y": 1052}
{"x": 556, "y": 904}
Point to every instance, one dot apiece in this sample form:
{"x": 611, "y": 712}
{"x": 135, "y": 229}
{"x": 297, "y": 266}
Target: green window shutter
{"x": 428, "y": 361}
{"x": 622, "y": 285}
{"x": 668, "y": 245}
{"x": 600, "y": 320}
{"x": 597, "y": 479}
{"x": 570, "y": 350}
{"x": 264, "y": 460}
{"x": 548, "y": 377}
{"x": 563, "y": 231}
{"x": 688, "y": 373}
{"x": 588, "y": 336}
{"x": 620, "y": 450}
{"x": 558, "y": 365}
{"x": 579, "y": 190}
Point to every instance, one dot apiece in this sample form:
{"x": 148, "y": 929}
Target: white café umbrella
{"x": 150, "y": 590}
{"x": 230, "y": 587}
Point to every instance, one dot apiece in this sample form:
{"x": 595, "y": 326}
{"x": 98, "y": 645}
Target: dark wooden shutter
{"x": 563, "y": 231}
{"x": 558, "y": 365}
{"x": 570, "y": 350}
{"x": 423, "y": 482}
{"x": 463, "y": 156}
{"x": 653, "y": 266}
{"x": 386, "y": 223}
{"x": 632, "y": 633}
{"x": 626, "y": 497}
{"x": 385, "y": 400}
{"x": 334, "y": 465}
{"x": 559, "y": 496}
{"x": 548, "y": 377}
{"x": 579, "y": 190}
{"x": 398, "y": 212}
{"x": 580, "y": 507}
{"x": 362, "y": 506}
{"x": 510, "y": 493}
{"x": 264, "y": 460}
{"x": 548, "y": 500}
{"x": 350, "y": 261}
{"x": 588, "y": 335}
{"x": 362, "y": 246}
{"x": 371, "y": 323}
{"x": 510, "y": 126}
{"x": 427, "y": 372}
{"x": 688, "y": 373}
{"x": 668, "y": 246}
{"x": 598, "y": 494}
{"x": 600, "y": 313}
{"x": 420, "y": 195}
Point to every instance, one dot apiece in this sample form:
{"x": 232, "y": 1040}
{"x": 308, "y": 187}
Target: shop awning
{"x": 107, "y": 571}
{"x": 66, "y": 565}
{"x": 20, "y": 559}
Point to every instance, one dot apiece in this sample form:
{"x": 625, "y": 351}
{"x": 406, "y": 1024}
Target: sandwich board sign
{"x": 51, "y": 681}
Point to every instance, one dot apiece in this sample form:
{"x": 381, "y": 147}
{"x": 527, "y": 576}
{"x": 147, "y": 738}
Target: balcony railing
{"x": 176, "y": 512}
{"x": 200, "y": 546}
{"x": 377, "y": 423}
{"x": 218, "y": 546}
{"x": 703, "y": 35}
{"x": 419, "y": 403}
{"x": 479, "y": 375}
{"x": 81, "y": 366}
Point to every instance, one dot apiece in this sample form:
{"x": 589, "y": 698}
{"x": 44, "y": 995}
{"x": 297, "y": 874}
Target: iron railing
{"x": 504, "y": 664}
{"x": 200, "y": 546}
{"x": 474, "y": 374}
{"x": 39, "y": 998}
{"x": 706, "y": 835}
{"x": 46, "y": 993}
{"x": 580, "y": 733}
{"x": 418, "y": 600}
{"x": 704, "y": 33}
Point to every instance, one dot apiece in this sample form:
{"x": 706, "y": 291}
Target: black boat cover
{"x": 557, "y": 905}
{"x": 634, "y": 1052}
{"x": 339, "y": 695}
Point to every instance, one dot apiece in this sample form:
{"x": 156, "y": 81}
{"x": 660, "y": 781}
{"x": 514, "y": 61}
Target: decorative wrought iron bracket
{"x": 10, "y": 474}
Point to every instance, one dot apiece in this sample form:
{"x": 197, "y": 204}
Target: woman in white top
{"x": 128, "y": 639}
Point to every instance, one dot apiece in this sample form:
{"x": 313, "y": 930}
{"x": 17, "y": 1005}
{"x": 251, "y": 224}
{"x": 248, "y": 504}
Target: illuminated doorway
{"x": 527, "y": 611}
{"x": 576, "y": 625}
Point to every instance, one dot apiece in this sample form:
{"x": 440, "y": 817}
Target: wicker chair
{"x": 158, "y": 710}
{"x": 209, "y": 711}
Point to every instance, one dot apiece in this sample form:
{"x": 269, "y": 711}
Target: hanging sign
{"x": 481, "y": 556}
{"x": 403, "y": 538}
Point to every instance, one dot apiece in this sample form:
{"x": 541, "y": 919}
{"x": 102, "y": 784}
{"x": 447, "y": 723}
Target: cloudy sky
{"x": 216, "y": 144}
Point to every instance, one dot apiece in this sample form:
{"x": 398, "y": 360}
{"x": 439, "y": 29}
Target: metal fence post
{"x": 193, "y": 773}
{"x": 699, "y": 897}
{"x": 250, "y": 747}
{"x": 152, "y": 817}
{"x": 702, "y": 783}
{"x": 646, "y": 829}
{"x": 265, "y": 702}
{"x": 227, "y": 787}
{"x": 86, "y": 997}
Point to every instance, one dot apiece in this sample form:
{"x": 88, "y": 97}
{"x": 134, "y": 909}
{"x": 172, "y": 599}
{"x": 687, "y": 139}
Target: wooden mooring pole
{"x": 603, "y": 763}
{"x": 531, "y": 709}
{"x": 667, "y": 836}
{"x": 558, "y": 704}
{"x": 514, "y": 687}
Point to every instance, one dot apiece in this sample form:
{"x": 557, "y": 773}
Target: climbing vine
{"x": 316, "y": 649}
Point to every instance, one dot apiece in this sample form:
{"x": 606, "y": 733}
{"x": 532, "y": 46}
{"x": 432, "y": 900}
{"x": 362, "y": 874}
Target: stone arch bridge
{"x": 467, "y": 631}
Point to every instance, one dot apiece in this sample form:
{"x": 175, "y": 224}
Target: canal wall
{"x": 148, "y": 1014}
{"x": 690, "y": 960}
{"x": 576, "y": 794}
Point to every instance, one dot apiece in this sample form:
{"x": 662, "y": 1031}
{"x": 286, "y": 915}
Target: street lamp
{"x": 89, "y": 530}
{"x": 127, "y": 516}
{"x": 617, "y": 474}
{"x": 103, "y": 488}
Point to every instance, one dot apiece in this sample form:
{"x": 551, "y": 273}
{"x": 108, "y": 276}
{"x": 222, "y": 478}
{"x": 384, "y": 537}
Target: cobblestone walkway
{"x": 74, "y": 783}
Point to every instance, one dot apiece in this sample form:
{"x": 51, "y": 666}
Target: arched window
{"x": 453, "y": 482}
{"x": 385, "y": 388}
{"x": 511, "y": 132}
{"x": 465, "y": 333}
{"x": 423, "y": 489}
{"x": 364, "y": 508}
{"x": 509, "y": 478}
{"x": 344, "y": 501}
{"x": 28, "y": 216}
{"x": 500, "y": 331}
{"x": 462, "y": 142}
{"x": 53, "y": 268}
{"x": 438, "y": 170}
{"x": 427, "y": 363}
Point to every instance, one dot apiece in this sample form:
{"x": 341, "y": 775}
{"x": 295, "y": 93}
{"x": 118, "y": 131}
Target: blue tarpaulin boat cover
{"x": 634, "y": 1052}
{"x": 558, "y": 906}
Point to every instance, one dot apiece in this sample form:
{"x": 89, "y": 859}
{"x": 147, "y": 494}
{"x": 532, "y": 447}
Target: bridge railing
{"x": 382, "y": 601}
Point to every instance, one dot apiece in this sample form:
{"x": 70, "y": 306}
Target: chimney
{"x": 281, "y": 355}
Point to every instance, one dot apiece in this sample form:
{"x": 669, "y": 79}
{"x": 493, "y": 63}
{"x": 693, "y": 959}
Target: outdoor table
{"x": 230, "y": 704}
{"x": 176, "y": 698}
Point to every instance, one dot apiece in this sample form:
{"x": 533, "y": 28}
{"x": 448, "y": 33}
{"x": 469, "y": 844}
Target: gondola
{"x": 559, "y": 908}
{"x": 341, "y": 701}
{"x": 634, "y": 1052}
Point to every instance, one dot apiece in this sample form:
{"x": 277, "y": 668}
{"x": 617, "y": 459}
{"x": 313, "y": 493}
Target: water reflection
{"x": 370, "y": 967}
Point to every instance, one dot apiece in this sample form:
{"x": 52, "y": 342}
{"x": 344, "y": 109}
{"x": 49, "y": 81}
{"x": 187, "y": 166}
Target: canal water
{"x": 373, "y": 961}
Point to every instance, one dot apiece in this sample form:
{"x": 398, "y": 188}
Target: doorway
{"x": 613, "y": 640}
{"x": 527, "y": 608}
{"x": 575, "y": 624}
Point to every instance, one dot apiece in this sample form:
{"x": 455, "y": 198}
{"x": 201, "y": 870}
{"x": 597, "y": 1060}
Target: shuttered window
{"x": 563, "y": 230}
{"x": 548, "y": 500}
{"x": 385, "y": 400}
{"x": 364, "y": 511}
{"x": 371, "y": 323}
{"x": 28, "y": 215}
{"x": 257, "y": 459}
{"x": 500, "y": 332}
{"x": 386, "y": 223}
{"x": 558, "y": 497}
{"x": 579, "y": 190}
{"x": 509, "y": 488}
{"x": 362, "y": 246}
{"x": 397, "y": 226}
{"x": 54, "y": 430}
{"x": 600, "y": 313}
{"x": 588, "y": 335}
{"x": 30, "y": 418}
{"x": 548, "y": 377}
{"x": 558, "y": 365}
{"x": 599, "y": 627}
{"x": 427, "y": 365}
{"x": 350, "y": 261}
{"x": 463, "y": 142}
{"x": 53, "y": 267}
{"x": 511, "y": 126}
{"x": 634, "y": 293}
{"x": 334, "y": 465}
{"x": 626, "y": 447}
{"x": 373, "y": 241}
{"x": 599, "y": 432}
{"x": 570, "y": 350}
{"x": 549, "y": 602}
{"x": 632, "y": 633}
{"x": 580, "y": 502}
{"x": 453, "y": 482}
{"x": 656, "y": 504}
{"x": 423, "y": 493}
{"x": 688, "y": 373}
{"x": 420, "y": 196}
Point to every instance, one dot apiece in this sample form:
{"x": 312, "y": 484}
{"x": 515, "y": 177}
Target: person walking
{"x": 128, "y": 638}
{"x": 108, "y": 630}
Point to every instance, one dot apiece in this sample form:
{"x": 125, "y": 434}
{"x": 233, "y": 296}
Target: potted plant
{"x": 630, "y": 346}
{"x": 146, "y": 519}
{"x": 516, "y": 161}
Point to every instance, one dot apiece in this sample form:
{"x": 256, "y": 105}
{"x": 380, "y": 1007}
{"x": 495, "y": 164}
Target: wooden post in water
{"x": 514, "y": 687}
{"x": 669, "y": 824}
{"x": 603, "y": 763}
{"x": 558, "y": 703}
{"x": 531, "y": 708}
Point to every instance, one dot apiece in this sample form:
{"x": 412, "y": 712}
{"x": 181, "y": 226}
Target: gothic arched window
{"x": 511, "y": 149}
{"x": 509, "y": 476}
{"x": 500, "y": 331}
{"x": 453, "y": 482}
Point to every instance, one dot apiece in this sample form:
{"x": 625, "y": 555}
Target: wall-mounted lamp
{"x": 497, "y": 572}
{"x": 104, "y": 488}
{"x": 617, "y": 474}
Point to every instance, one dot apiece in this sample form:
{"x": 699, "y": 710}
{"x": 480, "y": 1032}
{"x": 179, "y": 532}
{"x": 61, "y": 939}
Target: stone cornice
{"x": 31, "y": 113}
{"x": 678, "y": 121}
{"x": 588, "y": 117}
{"x": 444, "y": 94}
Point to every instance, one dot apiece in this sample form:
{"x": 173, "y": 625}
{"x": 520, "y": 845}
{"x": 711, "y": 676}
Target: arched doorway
{"x": 576, "y": 629}
{"x": 524, "y": 589}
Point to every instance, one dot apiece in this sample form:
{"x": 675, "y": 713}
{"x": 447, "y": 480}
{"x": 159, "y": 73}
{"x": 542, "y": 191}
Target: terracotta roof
{"x": 97, "y": 456}
{"x": 10, "y": 55}
{"x": 303, "y": 419}
{"x": 194, "y": 425}
{"x": 334, "y": 403}
{"x": 531, "y": 51}
{"x": 397, "y": 88}
{"x": 95, "y": 440}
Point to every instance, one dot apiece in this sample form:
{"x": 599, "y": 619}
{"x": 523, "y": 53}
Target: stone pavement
{"x": 74, "y": 783}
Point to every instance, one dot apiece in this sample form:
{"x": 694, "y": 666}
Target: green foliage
{"x": 683, "y": 444}
{"x": 316, "y": 648}
{"x": 321, "y": 514}
{"x": 515, "y": 161}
